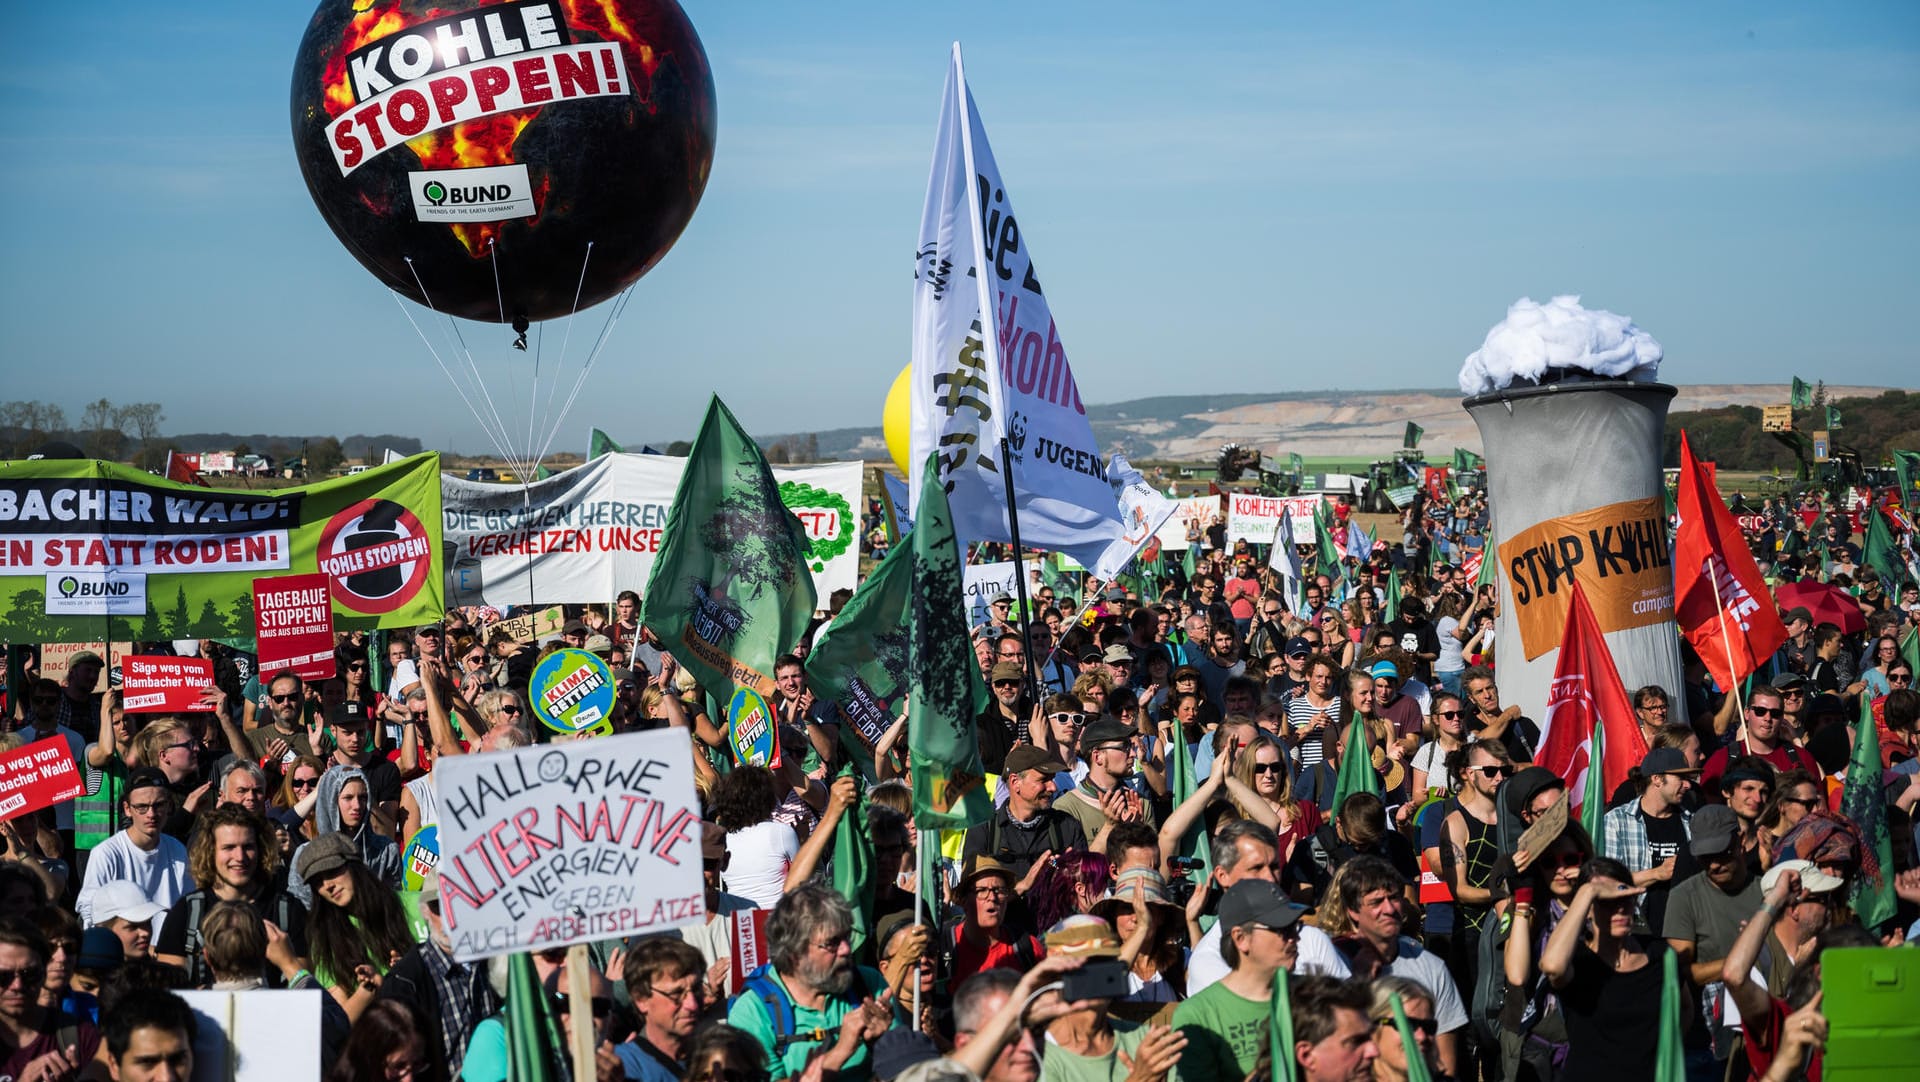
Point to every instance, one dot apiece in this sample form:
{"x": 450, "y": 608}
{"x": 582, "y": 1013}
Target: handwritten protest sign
{"x": 1252, "y": 517}
{"x": 293, "y": 625}
{"x": 534, "y": 626}
{"x": 568, "y": 843}
{"x": 57, "y": 657}
{"x": 164, "y": 685}
{"x": 37, "y": 776}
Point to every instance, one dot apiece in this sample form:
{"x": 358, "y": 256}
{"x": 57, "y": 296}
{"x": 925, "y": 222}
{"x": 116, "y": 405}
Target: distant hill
{"x": 354, "y": 447}
{"x": 1371, "y": 424}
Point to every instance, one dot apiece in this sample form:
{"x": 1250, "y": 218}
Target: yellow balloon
{"x": 896, "y": 418}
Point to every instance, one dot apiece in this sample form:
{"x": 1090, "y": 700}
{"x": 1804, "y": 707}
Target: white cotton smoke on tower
{"x": 1535, "y": 338}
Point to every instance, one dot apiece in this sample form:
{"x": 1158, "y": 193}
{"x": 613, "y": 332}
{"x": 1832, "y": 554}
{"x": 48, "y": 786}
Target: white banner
{"x": 559, "y": 844}
{"x": 1253, "y": 518}
{"x": 984, "y": 582}
{"x": 988, "y": 361}
{"x": 1193, "y": 511}
{"x": 587, "y": 533}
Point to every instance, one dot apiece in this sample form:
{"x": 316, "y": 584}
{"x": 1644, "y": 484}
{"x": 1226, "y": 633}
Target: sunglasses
{"x": 1764, "y": 711}
{"x": 293, "y": 698}
{"x": 1900, "y": 678}
{"x": 1493, "y": 771}
{"x": 1446, "y": 713}
{"x": 304, "y": 783}
{"x": 1569, "y": 860}
{"x": 29, "y": 977}
{"x": 358, "y": 666}
{"x": 1266, "y": 768}
{"x": 1071, "y": 719}
{"x": 510, "y": 709}
{"x": 1006, "y": 683}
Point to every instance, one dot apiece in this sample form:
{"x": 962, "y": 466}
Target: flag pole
{"x": 1726, "y": 642}
{"x": 919, "y": 894}
{"x": 1019, "y": 572}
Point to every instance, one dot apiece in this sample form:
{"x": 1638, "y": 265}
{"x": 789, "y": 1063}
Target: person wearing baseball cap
{"x": 1797, "y": 907}
{"x": 1260, "y": 936}
{"x": 1001, "y": 724}
{"x": 1026, "y": 827}
{"x": 153, "y": 862}
{"x": 1296, "y": 653}
{"x": 1105, "y": 795}
{"x": 1705, "y": 912}
{"x": 1650, "y": 835}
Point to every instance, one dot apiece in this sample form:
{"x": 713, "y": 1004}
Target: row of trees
{"x": 1731, "y": 436}
{"x": 104, "y": 430}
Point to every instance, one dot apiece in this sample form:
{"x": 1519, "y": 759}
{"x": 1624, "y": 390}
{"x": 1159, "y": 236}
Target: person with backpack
{"x": 811, "y": 998}
{"x": 1027, "y": 827}
{"x": 230, "y": 857}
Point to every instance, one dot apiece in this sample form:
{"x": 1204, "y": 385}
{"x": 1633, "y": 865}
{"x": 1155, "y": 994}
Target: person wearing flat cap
{"x": 1027, "y": 826}
{"x": 1650, "y": 835}
{"x": 1103, "y": 796}
{"x": 999, "y": 726}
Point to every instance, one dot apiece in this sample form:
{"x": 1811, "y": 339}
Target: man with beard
{"x": 812, "y": 998}
{"x": 1005, "y": 717}
{"x": 286, "y": 735}
{"x": 449, "y": 997}
{"x": 1373, "y": 893}
{"x": 40, "y": 1044}
{"x": 1705, "y": 913}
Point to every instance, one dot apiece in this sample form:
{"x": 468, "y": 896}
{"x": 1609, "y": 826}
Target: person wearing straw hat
{"x": 1087, "y": 1044}
{"x": 1151, "y": 929}
{"x": 986, "y": 937}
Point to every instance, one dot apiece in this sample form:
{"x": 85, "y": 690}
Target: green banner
{"x": 1833, "y": 418}
{"x": 859, "y": 663}
{"x": 730, "y": 590}
{"x": 94, "y": 550}
{"x": 1464, "y": 460}
{"x": 1411, "y": 438}
{"x": 944, "y": 689}
{"x": 1802, "y": 394}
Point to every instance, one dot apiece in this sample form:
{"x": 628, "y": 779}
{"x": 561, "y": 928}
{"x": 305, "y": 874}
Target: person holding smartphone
{"x": 1087, "y": 1042}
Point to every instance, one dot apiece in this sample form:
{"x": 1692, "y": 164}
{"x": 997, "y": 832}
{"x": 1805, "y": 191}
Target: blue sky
{"x": 1222, "y": 197}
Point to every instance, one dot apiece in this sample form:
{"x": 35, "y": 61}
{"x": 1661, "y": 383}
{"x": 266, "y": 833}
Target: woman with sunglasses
{"x": 1533, "y": 1034}
{"x": 1262, "y": 767}
{"x": 1338, "y": 643}
{"x": 1446, "y": 733}
{"x": 1874, "y": 681}
{"x": 1416, "y": 1003}
{"x": 1795, "y": 793}
{"x": 1609, "y": 979}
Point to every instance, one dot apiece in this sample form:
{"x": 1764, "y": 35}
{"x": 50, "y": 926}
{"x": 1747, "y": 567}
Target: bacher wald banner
{"x": 96, "y": 550}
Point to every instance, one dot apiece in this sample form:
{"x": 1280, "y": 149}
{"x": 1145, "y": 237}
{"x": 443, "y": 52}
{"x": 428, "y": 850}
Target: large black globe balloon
{"x": 405, "y": 110}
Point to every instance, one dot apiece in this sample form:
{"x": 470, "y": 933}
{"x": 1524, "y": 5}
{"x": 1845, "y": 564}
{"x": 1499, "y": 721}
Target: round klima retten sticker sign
{"x": 571, "y": 691}
{"x": 376, "y": 556}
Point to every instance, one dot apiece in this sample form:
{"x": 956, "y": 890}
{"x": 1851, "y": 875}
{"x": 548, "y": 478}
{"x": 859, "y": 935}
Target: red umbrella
{"x": 1827, "y": 604}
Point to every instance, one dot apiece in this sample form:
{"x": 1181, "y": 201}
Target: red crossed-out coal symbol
{"x": 376, "y": 556}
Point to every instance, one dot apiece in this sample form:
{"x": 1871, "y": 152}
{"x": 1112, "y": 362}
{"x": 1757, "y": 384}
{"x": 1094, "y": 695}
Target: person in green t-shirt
{"x": 1226, "y": 1023}
{"x": 1087, "y": 1044}
{"x": 831, "y": 1001}
{"x": 96, "y": 812}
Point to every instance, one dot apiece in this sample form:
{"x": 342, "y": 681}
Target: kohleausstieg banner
{"x": 587, "y": 533}
{"x": 988, "y": 363}
{"x": 86, "y": 544}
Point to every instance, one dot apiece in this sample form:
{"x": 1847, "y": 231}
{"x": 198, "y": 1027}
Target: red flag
{"x": 185, "y": 468}
{"x": 1586, "y": 690}
{"x": 1720, "y": 600}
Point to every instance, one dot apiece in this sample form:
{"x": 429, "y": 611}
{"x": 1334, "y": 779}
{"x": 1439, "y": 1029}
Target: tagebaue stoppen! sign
{"x": 571, "y": 691}
{"x": 558, "y": 844}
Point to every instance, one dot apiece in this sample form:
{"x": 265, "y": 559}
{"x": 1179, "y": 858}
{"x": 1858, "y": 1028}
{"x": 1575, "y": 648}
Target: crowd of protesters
{"x": 1164, "y": 842}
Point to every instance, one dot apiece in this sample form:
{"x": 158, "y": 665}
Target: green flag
{"x": 1906, "y": 464}
{"x": 859, "y": 663}
{"x": 1416, "y": 1063}
{"x": 535, "y": 1050}
{"x": 1881, "y": 554}
{"x": 853, "y": 867}
{"x": 1489, "y": 561}
{"x": 599, "y": 443}
{"x": 1326, "y": 557}
{"x": 1593, "y": 802}
{"x": 1392, "y": 608}
{"x": 1802, "y": 394}
{"x": 1193, "y": 845}
{"x": 730, "y": 590}
{"x": 1296, "y": 464}
{"x": 1413, "y": 434}
{"x": 1863, "y": 802}
{"x": 1280, "y": 1029}
{"x": 1910, "y": 649}
{"x": 1669, "y": 1058}
{"x": 1464, "y": 460}
{"x": 541, "y": 473}
{"x": 1833, "y": 418}
{"x": 944, "y": 689}
{"x": 1188, "y": 562}
{"x": 1356, "y": 767}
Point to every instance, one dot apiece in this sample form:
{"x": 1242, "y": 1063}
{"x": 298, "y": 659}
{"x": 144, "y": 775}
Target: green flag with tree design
{"x": 944, "y": 689}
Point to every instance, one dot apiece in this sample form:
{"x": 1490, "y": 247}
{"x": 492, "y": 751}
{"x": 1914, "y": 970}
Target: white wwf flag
{"x": 1142, "y": 511}
{"x": 988, "y": 363}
